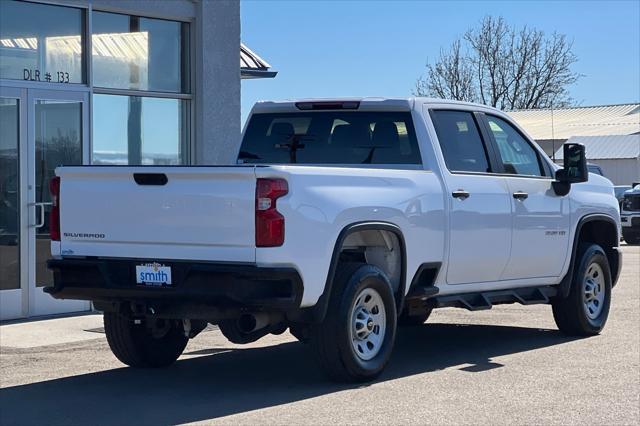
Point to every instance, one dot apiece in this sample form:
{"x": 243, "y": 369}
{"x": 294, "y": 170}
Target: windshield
{"x": 331, "y": 137}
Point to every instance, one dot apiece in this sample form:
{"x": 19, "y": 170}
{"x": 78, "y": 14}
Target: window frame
{"x": 183, "y": 146}
{"x": 185, "y": 55}
{"x": 489, "y": 149}
{"x": 188, "y": 76}
{"x": 189, "y": 62}
{"x": 85, "y": 65}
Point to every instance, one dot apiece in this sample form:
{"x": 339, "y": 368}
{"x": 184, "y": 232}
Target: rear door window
{"x": 331, "y": 137}
{"x": 460, "y": 141}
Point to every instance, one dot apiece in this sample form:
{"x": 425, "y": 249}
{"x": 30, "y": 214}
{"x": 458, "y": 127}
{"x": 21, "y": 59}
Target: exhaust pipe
{"x": 252, "y": 322}
{"x": 249, "y": 327}
{"x": 248, "y": 323}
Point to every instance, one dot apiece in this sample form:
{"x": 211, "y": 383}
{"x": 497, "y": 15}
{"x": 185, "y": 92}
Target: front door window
{"x": 517, "y": 155}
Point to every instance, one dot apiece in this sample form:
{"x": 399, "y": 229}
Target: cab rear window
{"x": 331, "y": 137}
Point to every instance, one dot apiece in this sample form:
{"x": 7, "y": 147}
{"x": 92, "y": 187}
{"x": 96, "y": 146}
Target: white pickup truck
{"x": 341, "y": 220}
{"x": 630, "y": 214}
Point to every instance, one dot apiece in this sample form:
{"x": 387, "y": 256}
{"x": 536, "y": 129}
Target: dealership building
{"x": 106, "y": 82}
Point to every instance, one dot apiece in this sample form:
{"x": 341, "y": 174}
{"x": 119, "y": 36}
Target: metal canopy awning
{"x": 253, "y": 66}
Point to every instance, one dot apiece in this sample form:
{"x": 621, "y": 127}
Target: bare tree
{"x": 504, "y": 67}
{"x": 451, "y": 77}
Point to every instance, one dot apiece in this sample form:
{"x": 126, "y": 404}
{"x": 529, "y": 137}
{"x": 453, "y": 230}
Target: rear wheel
{"x": 585, "y": 310}
{"x": 144, "y": 343}
{"x": 355, "y": 340}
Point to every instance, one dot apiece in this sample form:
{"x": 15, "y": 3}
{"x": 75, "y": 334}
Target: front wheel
{"x": 355, "y": 340}
{"x": 144, "y": 343}
{"x": 585, "y": 310}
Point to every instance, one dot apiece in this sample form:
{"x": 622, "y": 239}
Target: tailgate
{"x": 200, "y": 213}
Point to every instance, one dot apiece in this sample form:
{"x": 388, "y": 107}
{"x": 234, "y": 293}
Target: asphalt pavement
{"x": 508, "y": 365}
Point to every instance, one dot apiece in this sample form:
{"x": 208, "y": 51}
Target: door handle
{"x": 461, "y": 194}
{"x": 519, "y": 195}
{"x": 40, "y": 223}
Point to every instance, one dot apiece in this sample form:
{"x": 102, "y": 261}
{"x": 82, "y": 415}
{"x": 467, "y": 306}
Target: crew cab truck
{"x": 630, "y": 214}
{"x": 341, "y": 220}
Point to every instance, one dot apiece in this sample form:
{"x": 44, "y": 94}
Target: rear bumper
{"x": 107, "y": 281}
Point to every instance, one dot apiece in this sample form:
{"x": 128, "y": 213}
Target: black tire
{"x": 405, "y": 320}
{"x": 331, "y": 339}
{"x": 136, "y": 345}
{"x": 570, "y": 313}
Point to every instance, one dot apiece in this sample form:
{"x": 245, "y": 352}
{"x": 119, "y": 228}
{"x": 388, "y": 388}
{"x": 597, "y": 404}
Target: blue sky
{"x": 379, "y": 48}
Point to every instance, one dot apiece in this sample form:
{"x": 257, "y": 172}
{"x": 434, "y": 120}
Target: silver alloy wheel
{"x": 594, "y": 291}
{"x": 368, "y": 324}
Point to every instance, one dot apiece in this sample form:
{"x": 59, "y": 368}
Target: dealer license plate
{"x": 153, "y": 274}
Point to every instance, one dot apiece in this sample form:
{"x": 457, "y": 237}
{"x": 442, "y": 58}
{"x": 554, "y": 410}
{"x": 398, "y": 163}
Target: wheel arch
{"x": 317, "y": 313}
{"x": 599, "y": 229}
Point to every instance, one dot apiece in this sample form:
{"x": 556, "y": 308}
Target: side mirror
{"x": 575, "y": 163}
{"x": 574, "y": 170}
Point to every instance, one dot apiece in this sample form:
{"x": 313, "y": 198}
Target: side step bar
{"x": 486, "y": 300}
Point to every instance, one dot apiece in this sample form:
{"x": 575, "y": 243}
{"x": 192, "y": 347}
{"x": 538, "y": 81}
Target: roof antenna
{"x": 553, "y": 138}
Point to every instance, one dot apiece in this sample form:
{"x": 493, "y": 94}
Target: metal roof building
{"x": 552, "y": 127}
{"x": 618, "y": 156}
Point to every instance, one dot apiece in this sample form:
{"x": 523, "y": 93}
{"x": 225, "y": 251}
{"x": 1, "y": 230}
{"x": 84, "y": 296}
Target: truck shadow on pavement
{"x": 237, "y": 381}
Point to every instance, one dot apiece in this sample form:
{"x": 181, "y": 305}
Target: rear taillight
{"x": 269, "y": 222}
{"x": 54, "y": 215}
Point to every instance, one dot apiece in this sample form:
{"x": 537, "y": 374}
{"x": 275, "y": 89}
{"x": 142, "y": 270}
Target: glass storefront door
{"x": 44, "y": 129}
{"x": 12, "y": 109}
{"x": 58, "y": 125}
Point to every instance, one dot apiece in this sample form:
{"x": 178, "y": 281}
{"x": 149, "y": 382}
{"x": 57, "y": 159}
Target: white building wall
{"x": 620, "y": 171}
